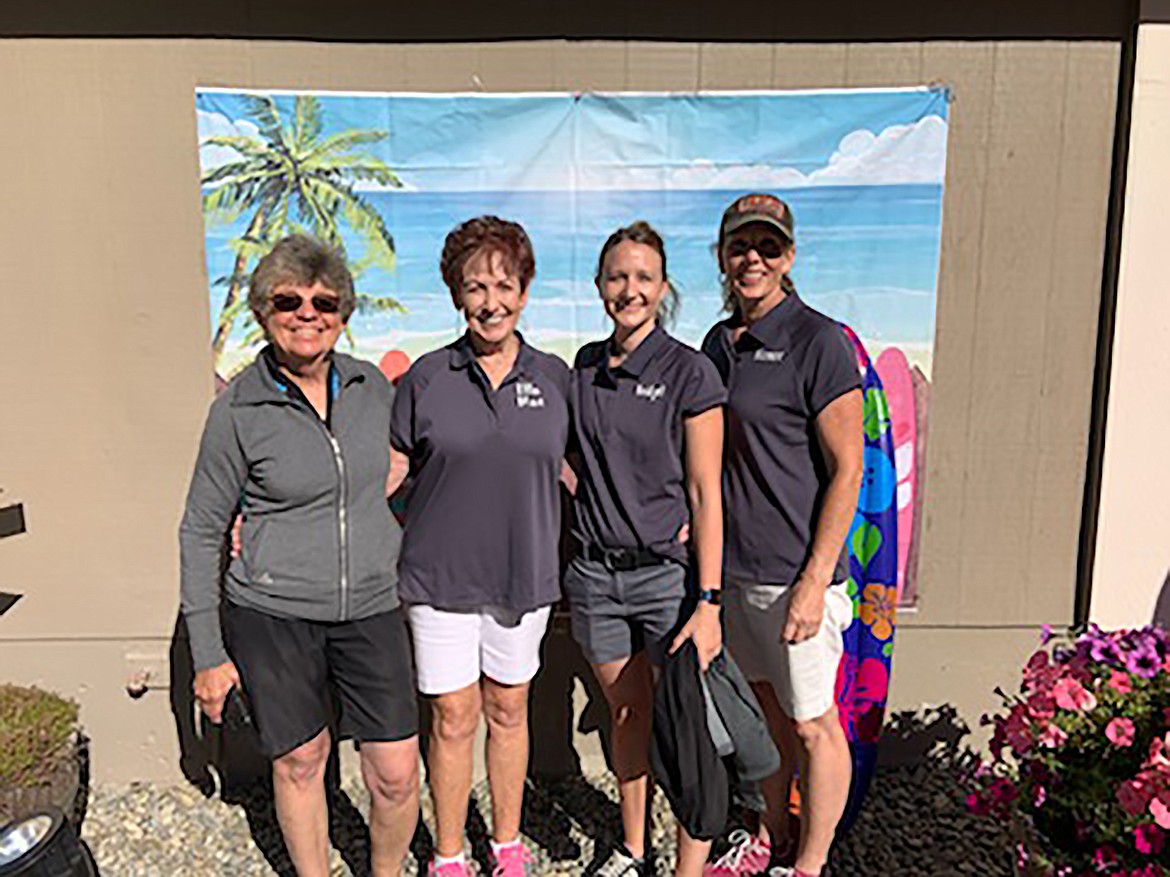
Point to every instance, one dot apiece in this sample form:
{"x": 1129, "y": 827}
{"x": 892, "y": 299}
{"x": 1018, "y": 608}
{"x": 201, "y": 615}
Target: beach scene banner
{"x": 388, "y": 175}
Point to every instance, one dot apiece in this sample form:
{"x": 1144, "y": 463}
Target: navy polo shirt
{"x": 483, "y": 509}
{"x": 628, "y": 433}
{"x": 780, "y": 374}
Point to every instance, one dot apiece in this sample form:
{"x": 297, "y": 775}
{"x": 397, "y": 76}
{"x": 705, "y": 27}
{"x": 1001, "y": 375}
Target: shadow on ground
{"x": 914, "y": 821}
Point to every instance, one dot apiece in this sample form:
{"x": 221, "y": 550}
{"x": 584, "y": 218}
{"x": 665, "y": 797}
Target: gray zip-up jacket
{"x": 317, "y": 539}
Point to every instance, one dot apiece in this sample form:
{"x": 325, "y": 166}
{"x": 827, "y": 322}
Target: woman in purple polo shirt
{"x": 648, "y": 444}
{"x": 791, "y": 475}
{"x": 484, "y": 422}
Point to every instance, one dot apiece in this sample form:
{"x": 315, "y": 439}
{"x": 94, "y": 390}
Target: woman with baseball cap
{"x": 791, "y": 474}
{"x": 484, "y": 422}
{"x": 648, "y": 444}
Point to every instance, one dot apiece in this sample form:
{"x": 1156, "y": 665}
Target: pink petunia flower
{"x": 1071, "y": 695}
{"x": 1120, "y": 682}
{"x": 1120, "y": 732}
{"x": 1148, "y": 839}
{"x": 1134, "y": 796}
{"x": 1039, "y": 796}
{"x": 1160, "y": 810}
{"x": 1104, "y": 858}
{"x": 1052, "y": 736}
{"x": 1041, "y": 706}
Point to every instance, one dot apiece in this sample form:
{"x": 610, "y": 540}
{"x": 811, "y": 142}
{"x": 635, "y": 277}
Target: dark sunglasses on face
{"x": 287, "y": 302}
{"x": 767, "y": 248}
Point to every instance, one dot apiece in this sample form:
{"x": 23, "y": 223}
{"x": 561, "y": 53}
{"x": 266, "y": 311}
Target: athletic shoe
{"x": 514, "y": 860}
{"x": 620, "y": 864}
{"x": 451, "y": 869}
{"x": 748, "y": 855}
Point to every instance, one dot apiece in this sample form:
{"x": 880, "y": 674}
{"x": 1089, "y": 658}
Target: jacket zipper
{"x": 341, "y": 528}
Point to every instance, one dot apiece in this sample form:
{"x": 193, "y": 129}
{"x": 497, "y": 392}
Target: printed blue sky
{"x": 619, "y": 141}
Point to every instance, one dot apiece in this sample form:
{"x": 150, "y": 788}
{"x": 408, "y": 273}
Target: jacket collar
{"x": 261, "y": 382}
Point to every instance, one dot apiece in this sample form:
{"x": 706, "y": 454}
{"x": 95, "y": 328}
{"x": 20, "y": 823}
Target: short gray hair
{"x": 303, "y": 260}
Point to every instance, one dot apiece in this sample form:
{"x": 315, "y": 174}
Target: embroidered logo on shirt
{"x": 762, "y": 355}
{"x": 528, "y": 395}
{"x": 650, "y": 392}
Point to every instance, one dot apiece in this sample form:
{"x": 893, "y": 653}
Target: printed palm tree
{"x": 291, "y": 170}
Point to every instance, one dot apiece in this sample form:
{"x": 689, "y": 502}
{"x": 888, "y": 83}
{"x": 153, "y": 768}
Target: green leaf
{"x": 877, "y": 414}
{"x": 867, "y": 540}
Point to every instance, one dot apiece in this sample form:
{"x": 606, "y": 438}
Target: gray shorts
{"x": 616, "y": 614}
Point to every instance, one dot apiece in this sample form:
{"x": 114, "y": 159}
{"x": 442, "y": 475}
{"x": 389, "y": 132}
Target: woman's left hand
{"x": 704, "y": 629}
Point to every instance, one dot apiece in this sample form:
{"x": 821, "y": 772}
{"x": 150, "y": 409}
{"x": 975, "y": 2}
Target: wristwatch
{"x": 711, "y": 595}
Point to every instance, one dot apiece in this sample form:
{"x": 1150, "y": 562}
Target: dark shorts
{"x": 299, "y": 675}
{"x": 617, "y": 613}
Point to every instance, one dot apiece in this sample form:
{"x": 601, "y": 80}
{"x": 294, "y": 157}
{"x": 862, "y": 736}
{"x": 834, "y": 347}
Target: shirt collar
{"x": 641, "y": 356}
{"x": 462, "y": 355}
{"x": 772, "y": 329}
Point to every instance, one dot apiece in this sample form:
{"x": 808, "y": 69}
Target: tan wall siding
{"x": 108, "y": 373}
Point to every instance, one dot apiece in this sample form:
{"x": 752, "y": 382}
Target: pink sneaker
{"x": 451, "y": 869}
{"x": 514, "y": 860}
{"x": 748, "y": 855}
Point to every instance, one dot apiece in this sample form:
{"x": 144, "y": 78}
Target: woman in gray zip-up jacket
{"x": 298, "y": 446}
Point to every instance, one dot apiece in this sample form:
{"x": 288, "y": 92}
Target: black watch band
{"x": 711, "y": 595}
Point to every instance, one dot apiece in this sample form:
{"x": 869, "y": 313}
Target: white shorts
{"x": 803, "y": 675}
{"x": 453, "y": 649}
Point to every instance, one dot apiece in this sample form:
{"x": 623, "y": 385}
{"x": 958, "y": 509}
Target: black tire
{"x": 58, "y": 854}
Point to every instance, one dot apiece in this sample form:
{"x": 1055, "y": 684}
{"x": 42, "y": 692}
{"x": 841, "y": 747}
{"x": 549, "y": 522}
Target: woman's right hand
{"x": 212, "y": 685}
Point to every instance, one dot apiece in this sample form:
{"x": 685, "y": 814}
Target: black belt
{"x": 622, "y": 559}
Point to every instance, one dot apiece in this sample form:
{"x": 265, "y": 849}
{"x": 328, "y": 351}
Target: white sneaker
{"x": 620, "y": 864}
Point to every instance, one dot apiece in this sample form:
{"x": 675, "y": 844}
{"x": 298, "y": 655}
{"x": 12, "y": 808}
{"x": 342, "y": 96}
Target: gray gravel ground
{"x": 913, "y": 824}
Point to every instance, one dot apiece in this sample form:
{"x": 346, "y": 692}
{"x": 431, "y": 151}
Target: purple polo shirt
{"x": 780, "y": 374}
{"x": 483, "y": 510}
{"x": 628, "y": 435}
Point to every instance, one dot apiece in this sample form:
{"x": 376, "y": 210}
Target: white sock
{"x": 497, "y": 847}
{"x": 440, "y": 861}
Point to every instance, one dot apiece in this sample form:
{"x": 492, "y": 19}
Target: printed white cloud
{"x": 900, "y": 154}
{"x": 219, "y": 125}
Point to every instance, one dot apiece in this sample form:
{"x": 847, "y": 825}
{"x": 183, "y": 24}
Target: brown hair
{"x": 302, "y": 260}
{"x": 642, "y": 232}
{"x": 493, "y": 235}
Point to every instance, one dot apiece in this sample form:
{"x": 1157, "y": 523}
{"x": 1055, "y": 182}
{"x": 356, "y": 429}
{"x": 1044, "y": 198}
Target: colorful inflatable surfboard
{"x": 864, "y": 674}
{"x": 898, "y": 383}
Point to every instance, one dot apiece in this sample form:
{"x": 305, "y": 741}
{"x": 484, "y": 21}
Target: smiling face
{"x": 755, "y": 259}
{"x": 491, "y": 297}
{"x": 304, "y": 332}
{"x": 632, "y": 284}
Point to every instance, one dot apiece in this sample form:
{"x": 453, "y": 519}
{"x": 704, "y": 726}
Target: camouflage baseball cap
{"x": 758, "y": 207}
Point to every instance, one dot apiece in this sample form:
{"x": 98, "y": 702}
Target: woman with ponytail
{"x": 648, "y": 445}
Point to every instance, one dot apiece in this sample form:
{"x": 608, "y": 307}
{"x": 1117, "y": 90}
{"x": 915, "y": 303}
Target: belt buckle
{"x": 623, "y": 560}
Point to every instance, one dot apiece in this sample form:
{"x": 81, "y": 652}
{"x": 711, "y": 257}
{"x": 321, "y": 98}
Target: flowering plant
{"x": 1080, "y": 757}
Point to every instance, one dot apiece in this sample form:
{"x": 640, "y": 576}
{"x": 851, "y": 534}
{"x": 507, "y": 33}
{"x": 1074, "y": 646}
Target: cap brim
{"x": 743, "y": 219}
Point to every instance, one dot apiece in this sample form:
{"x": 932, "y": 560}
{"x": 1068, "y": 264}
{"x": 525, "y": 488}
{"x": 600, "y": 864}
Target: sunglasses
{"x": 287, "y": 302}
{"x": 767, "y": 248}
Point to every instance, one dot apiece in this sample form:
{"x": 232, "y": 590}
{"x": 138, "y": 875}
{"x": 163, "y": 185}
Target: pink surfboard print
{"x": 394, "y": 364}
{"x": 894, "y": 371}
